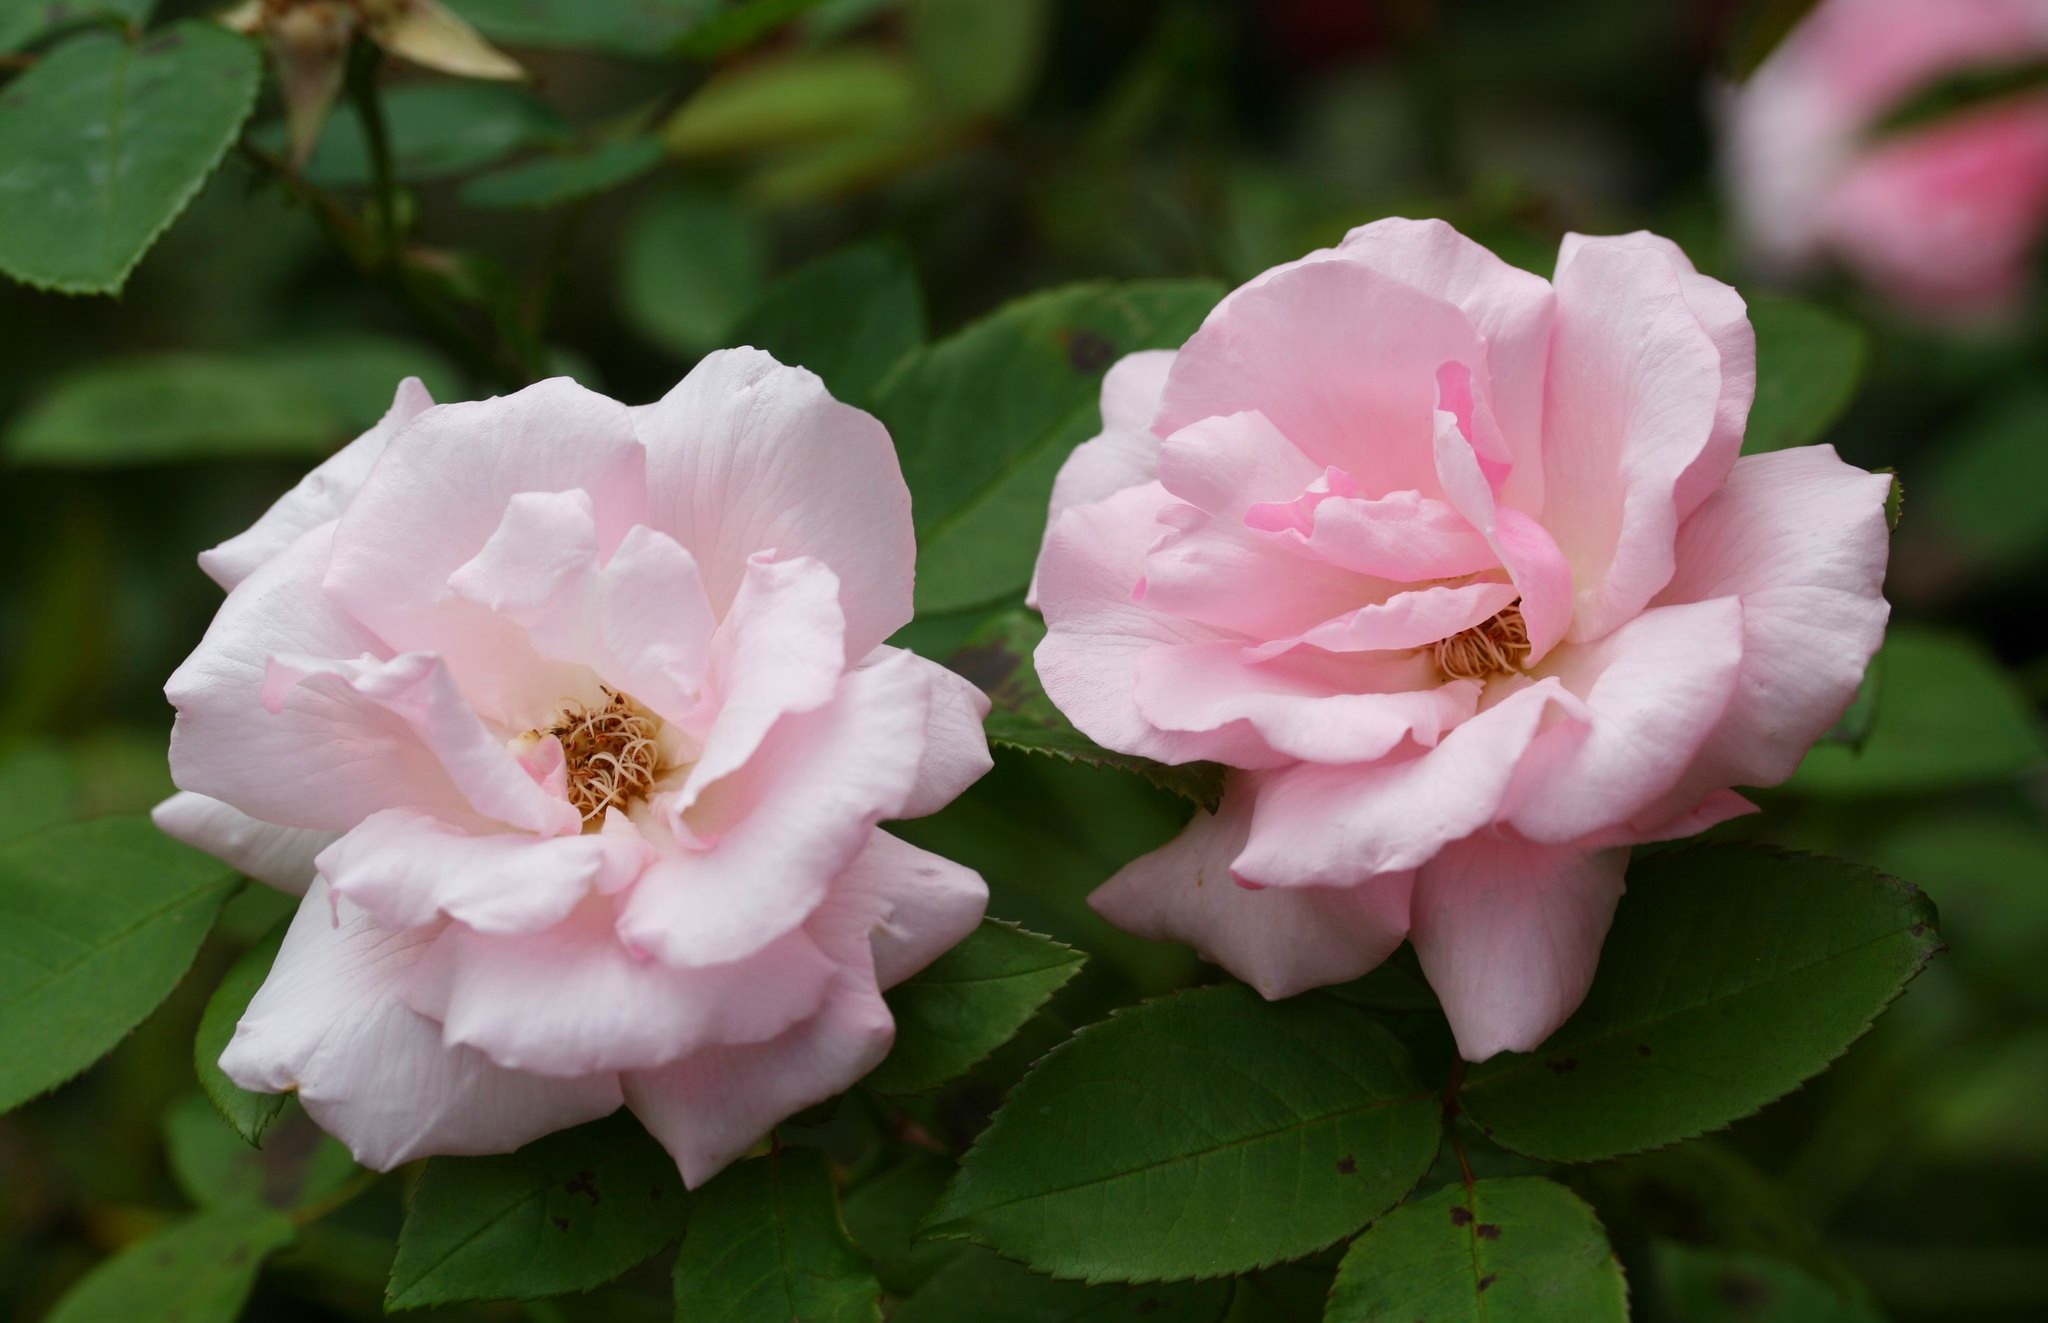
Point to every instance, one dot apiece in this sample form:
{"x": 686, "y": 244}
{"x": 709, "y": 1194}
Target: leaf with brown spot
{"x": 543, "y": 1221}
{"x": 1539, "y": 1256}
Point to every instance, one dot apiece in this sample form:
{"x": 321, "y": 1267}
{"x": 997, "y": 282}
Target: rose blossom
{"x": 573, "y": 723}
{"x": 1458, "y": 567}
{"x": 1943, "y": 217}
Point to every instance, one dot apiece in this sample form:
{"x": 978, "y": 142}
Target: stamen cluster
{"x": 612, "y": 754}
{"x": 1498, "y": 645}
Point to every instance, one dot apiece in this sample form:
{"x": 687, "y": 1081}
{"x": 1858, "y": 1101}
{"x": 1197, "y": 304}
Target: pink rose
{"x": 1943, "y": 218}
{"x": 1459, "y": 568}
{"x": 574, "y": 723}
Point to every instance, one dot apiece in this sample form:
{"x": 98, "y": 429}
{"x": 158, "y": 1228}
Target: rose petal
{"x": 1509, "y": 933}
{"x": 1281, "y": 940}
{"x": 281, "y": 857}
{"x": 747, "y": 456}
{"x": 330, "y": 1023}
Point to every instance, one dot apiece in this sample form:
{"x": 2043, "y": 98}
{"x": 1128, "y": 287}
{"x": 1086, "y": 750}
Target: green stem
{"x": 362, "y": 90}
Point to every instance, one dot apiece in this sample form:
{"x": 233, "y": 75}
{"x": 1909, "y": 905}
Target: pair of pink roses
{"x": 575, "y": 722}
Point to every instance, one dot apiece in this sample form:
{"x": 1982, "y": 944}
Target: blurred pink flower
{"x": 574, "y": 723}
{"x": 1460, "y": 569}
{"x": 1943, "y": 218}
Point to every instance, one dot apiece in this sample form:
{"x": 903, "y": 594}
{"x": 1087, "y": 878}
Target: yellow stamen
{"x": 612, "y": 753}
{"x": 1496, "y": 646}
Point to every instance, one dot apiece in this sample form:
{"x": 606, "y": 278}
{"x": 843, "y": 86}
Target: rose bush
{"x": 1459, "y": 569}
{"x": 1943, "y": 217}
{"x": 573, "y": 723}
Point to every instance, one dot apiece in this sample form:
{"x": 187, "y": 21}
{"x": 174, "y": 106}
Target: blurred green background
{"x": 950, "y": 156}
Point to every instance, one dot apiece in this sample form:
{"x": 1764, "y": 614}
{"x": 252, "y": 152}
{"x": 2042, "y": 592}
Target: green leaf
{"x": 792, "y": 98}
{"x": 38, "y": 788}
{"x": 997, "y": 658}
{"x": 438, "y": 129}
{"x": 196, "y": 1270}
{"x": 738, "y": 25}
{"x": 98, "y": 921}
{"x": 978, "y": 56}
{"x": 1522, "y": 1248}
{"x": 1197, "y": 1135}
{"x": 692, "y": 264}
{"x": 214, "y": 1167}
{"x": 882, "y": 1214}
{"x": 980, "y": 1287}
{"x": 565, "y": 1213}
{"x": 969, "y": 1002}
{"x": 1736, "y": 1286}
{"x": 1808, "y": 364}
{"x": 1762, "y": 26}
{"x": 551, "y": 181}
{"x": 1982, "y": 511}
{"x": 300, "y": 400}
{"x": 106, "y": 140}
{"x": 1732, "y": 974}
{"x": 985, "y": 419}
{"x": 1948, "y": 715}
{"x": 849, "y": 317}
{"x": 249, "y": 1113}
{"x": 766, "y": 1245}
{"x": 24, "y": 22}
{"x": 1988, "y": 872}
{"x": 702, "y": 29}
{"x": 1702, "y": 1192}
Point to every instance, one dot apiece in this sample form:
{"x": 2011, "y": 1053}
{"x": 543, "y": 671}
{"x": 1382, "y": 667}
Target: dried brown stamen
{"x": 1498, "y": 645}
{"x": 612, "y": 753}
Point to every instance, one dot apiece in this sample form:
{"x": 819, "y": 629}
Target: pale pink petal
{"x": 571, "y": 1000}
{"x": 281, "y": 857}
{"x": 1214, "y": 571}
{"x": 772, "y": 836}
{"x": 1281, "y": 940}
{"x": 409, "y": 870}
{"x": 1317, "y": 706}
{"x": 1094, "y": 559}
{"x": 1405, "y": 620}
{"x": 1533, "y": 560}
{"x": 1654, "y": 690}
{"x": 1801, "y": 538}
{"x": 1340, "y": 358}
{"x": 913, "y": 905}
{"x": 327, "y": 758}
{"x": 1404, "y": 537}
{"x": 1232, "y": 464}
{"x": 640, "y": 620}
{"x": 1634, "y": 403}
{"x": 747, "y": 456}
{"x": 1126, "y": 452}
{"x": 319, "y": 497}
{"x": 779, "y": 650}
{"x": 955, "y": 748}
{"x": 1725, "y": 318}
{"x": 331, "y": 1024}
{"x": 1509, "y": 933}
{"x": 1512, "y": 309}
{"x": 417, "y": 689}
{"x": 436, "y": 497}
{"x": 710, "y": 1108}
{"x": 1318, "y": 825}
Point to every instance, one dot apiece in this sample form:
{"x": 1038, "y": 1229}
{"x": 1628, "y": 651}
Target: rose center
{"x": 1498, "y": 645}
{"x": 613, "y": 753}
